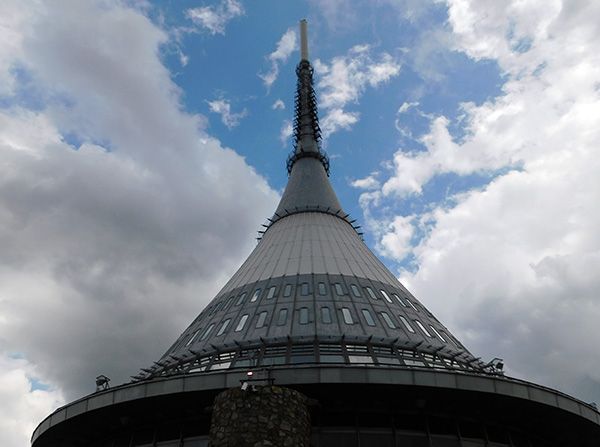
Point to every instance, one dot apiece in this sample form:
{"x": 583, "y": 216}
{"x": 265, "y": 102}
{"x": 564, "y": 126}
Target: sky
{"x": 143, "y": 143}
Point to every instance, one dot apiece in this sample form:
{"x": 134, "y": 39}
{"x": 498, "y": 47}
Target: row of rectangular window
{"x": 325, "y": 319}
{"x": 362, "y": 354}
{"x": 305, "y": 291}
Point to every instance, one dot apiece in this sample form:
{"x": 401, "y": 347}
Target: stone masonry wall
{"x": 266, "y": 416}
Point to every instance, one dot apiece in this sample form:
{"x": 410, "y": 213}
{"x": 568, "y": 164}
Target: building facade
{"x": 314, "y": 310}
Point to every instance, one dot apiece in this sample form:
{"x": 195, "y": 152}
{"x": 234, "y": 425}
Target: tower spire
{"x": 307, "y": 133}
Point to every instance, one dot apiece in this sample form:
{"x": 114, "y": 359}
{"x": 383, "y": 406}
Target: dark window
{"x": 223, "y": 327}
{"x": 255, "y": 295}
{"x": 303, "y": 315}
{"x": 304, "y": 289}
{"x": 371, "y": 293}
{"x": 207, "y": 332}
{"x": 287, "y": 291}
{"x": 262, "y": 317}
{"x": 338, "y": 289}
{"x": 425, "y": 331}
{"x": 325, "y": 315}
{"x": 355, "y": 290}
{"x": 388, "y": 320}
{"x": 241, "y": 299}
{"x": 368, "y": 317}
{"x": 322, "y": 289}
{"x": 271, "y": 292}
{"x": 241, "y": 323}
{"x": 406, "y": 324}
{"x": 437, "y": 333}
{"x": 347, "y": 315}
{"x": 282, "y": 317}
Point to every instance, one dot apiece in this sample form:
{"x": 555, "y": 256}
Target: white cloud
{"x": 278, "y": 105}
{"x": 513, "y": 266}
{"x": 395, "y": 239}
{"x": 406, "y": 106}
{"x": 223, "y": 108}
{"x": 369, "y": 182}
{"x": 287, "y": 130}
{"x": 24, "y": 401}
{"x": 345, "y": 79}
{"x": 119, "y": 216}
{"x": 215, "y": 18}
{"x": 285, "y": 47}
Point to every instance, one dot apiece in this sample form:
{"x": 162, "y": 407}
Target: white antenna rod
{"x": 303, "y": 40}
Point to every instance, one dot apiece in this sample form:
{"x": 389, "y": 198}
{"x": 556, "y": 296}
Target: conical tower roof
{"x": 312, "y": 291}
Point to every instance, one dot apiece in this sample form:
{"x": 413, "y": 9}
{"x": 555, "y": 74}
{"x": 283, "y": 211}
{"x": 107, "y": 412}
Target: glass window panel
{"x": 322, "y": 289}
{"x": 406, "y": 324}
{"x": 386, "y": 296}
{"x": 207, "y": 332}
{"x": 425, "y": 331}
{"x": 388, "y": 320}
{"x": 271, "y": 292}
{"x": 371, "y": 293}
{"x": 355, "y": 290}
{"x": 411, "y": 304}
{"x": 255, "y": 295}
{"x": 223, "y": 327}
{"x": 402, "y": 303}
{"x": 381, "y": 439}
{"x": 347, "y": 315}
{"x": 338, "y": 289}
{"x": 242, "y": 323}
{"x": 260, "y": 322}
{"x": 444, "y": 441}
{"x": 192, "y": 338}
{"x": 437, "y": 333}
{"x": 287, "y": 291}
{"x": 282, "y": 317}
{"x": 303, "y": 315}
{"x": 229, "y": 301}
{"x": 368, "y": 317}
{"x": 304, "y": 289}
{"x": 360, "y": 359}
{"x": 325, "y": 315}
{"x": 241, "y": 299}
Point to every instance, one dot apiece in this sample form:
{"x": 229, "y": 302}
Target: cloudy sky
{"x": 142, "y": 144}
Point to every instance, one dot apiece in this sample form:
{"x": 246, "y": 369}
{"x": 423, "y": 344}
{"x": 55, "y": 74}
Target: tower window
{"x": 282, "y": 317}
{"x": 355, "y": 290}
{"x": 255, "y": 295}
{"x": 229, "y": 301}
{"x": 241, "y": 299}
{"x": 271, "y": 292}
{"x": 207, "y": 332}
{"x": 339, "y": 290}
{"x": 304, "y": 315}
{"x": 406, "y": 324}
{"x": 241, "y": 323}
{"x": 322, "y": 289}
{"x": 194, "y": 335}
{"x": 399, "y": 300}
{"x": 368, "y": 317}
{"x": 325, "y": 315}
{"x": 304, "y": 289}
{"x": 287, "y": 291}
{"x": 261, "y": 319}
{"x": 425, "y": 331}
{"x": 347, "y": 315}
{"x": 223, "y": 327}
{"x": 388, "y": 320}
{"x": 437, "y": 333}
{"x": 371, "y": 293}
{"x": 411, "y": 304}
{"x": 386, "y": 296}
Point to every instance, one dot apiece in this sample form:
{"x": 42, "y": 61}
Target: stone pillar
{"x": 264, "y": 416}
